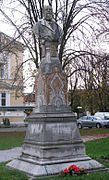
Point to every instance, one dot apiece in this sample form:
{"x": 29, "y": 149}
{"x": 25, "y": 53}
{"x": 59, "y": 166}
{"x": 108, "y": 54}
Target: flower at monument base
{"x": 72, "y": 166}
{"x": 66, "y": 170}
{"x": 59, "y": 173}
{"x": 73, "y": 170}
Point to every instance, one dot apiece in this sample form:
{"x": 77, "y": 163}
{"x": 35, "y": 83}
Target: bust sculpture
{"x": 48, "y": 31}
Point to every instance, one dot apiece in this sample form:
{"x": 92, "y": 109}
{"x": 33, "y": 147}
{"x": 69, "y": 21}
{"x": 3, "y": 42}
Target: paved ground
{"x": 10, "y": 154}
{"x": 13, "y": 129}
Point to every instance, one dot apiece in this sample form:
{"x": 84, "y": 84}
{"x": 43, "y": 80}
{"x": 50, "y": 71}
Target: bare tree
{"x": 80, "y": 20}
{"x": 94, "y": 94}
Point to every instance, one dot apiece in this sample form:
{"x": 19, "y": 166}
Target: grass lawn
{"x": 97, "y": 176}
{"x": 6, "y": 174}
{"x": 97, "y": 149}
{"x": 9, "y": 140}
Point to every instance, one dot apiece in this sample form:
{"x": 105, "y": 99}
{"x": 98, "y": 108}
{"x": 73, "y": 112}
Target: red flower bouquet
{"x": 72, "y": 171}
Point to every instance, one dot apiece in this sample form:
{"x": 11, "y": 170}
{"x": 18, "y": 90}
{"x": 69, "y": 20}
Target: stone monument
{"x": 52, "y": 140}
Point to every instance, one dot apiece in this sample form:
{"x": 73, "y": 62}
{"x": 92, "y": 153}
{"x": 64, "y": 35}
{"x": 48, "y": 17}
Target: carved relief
{"x": 40, "y": 90}
{"x": 51, "y": 89}
{"x": 53, "y": 50}
{"x": 57, "y": 88}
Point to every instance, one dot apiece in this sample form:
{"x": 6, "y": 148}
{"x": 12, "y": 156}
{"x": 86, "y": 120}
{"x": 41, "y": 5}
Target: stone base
{"x": 36, "y": 170}
{"x": 52, "y": 143}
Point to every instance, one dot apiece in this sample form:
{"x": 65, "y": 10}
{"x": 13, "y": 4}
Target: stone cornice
{"x": 4, "y": 85}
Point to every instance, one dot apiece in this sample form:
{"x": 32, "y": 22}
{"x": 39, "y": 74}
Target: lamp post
{"x": 78, "y": 107}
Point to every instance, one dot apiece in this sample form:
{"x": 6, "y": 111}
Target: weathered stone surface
{"x": 52, "y": 138}
{"x": 36, "y": 170}
{"x": 51, "y": 88}
{"x": 52, "y": 143}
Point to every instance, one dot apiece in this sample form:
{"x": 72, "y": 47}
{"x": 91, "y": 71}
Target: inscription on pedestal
{"x": 59, "y": 128}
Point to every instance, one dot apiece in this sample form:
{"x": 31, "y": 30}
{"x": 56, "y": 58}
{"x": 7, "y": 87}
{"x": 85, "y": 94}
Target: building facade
{"x": 11, "y": 79}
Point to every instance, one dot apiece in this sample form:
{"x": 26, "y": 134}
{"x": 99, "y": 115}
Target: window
{"x": 84, "y": 118}
{"x": 89, "y": 118}
{"x": 1, "y": 71}
{"x": 106, "y": 117}
{"x": 3, "y": 99}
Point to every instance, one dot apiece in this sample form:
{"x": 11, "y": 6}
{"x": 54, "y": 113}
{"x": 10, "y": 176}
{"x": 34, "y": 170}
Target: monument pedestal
{"x": 52, "y": 143}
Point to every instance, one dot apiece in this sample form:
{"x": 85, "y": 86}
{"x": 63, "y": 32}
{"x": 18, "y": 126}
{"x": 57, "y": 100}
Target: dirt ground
{"x": 94, "y": 136}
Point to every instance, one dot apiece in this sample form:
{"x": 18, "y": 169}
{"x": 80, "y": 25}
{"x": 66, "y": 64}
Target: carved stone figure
{"x": 48, "y": 31}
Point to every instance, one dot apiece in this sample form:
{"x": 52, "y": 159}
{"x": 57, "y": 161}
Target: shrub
{"x": 25, "y": 120}
{"x": 6, "y": 121}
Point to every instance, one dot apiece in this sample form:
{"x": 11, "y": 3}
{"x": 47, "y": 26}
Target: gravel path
{"x": 93, "y": 137}
{"x": 6, "y": 155}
